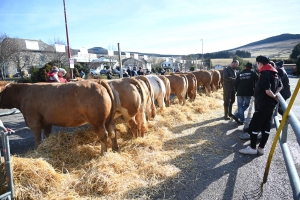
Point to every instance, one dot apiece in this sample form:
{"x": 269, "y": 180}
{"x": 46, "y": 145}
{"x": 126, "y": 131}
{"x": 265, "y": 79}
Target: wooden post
{"x": 120, "y": 61}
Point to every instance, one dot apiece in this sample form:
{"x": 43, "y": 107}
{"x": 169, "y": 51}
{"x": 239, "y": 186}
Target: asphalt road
{"x": 227, "y": 175}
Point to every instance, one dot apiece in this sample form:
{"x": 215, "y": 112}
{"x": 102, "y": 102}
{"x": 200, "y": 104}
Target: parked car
{"x": 115, "y": 71}
{"x": 18, "y": 74}
{"x": 103, "y": 71}
{"x": 94, "y": 72}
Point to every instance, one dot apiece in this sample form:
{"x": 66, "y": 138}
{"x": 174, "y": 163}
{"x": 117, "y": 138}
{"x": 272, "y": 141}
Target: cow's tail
{"x": 147, "y": 82}
{"x": 167, "y": 84}
{"x": 211, "y": 75}
{"x": 184, "y": 92}
{"x": 137, "y": 84}
{"x": 110, "y": 119}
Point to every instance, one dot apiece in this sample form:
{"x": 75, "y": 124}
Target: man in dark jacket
{"x": 134, "y": 72}
{"x": 266, "y": 90}
{"x": 229, "y": 76}
{"x": 286, "y": 91}
{"x": 109, "y": 74}
{"x": 244, "y": 87}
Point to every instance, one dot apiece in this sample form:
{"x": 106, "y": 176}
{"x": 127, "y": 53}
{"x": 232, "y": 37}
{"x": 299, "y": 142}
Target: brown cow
{"x": 204, "y": 78}
{"x": 168, "y": 89}
{"x": 221, "y": 80}
{"x": 216, "y": 77}
{"x": 83, "y": 102}
{"x": 179, "y": 85}
{"x": 192, "y": 86}
{"x": 130, "y": 98}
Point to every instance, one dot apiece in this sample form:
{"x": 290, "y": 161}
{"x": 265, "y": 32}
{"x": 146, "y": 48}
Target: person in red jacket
{"x": 53, "y": 75}
{"x": 265, "y": 92}
{"x": 61, "y": 73}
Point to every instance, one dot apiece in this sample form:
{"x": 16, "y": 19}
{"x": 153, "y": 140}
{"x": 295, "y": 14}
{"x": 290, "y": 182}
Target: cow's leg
{"x": 102, "y": 135}
{"x": 37, "y": 132}
{"x": 161, "y": 102}
{"x": 207, "y": 89}
{"x": 35, "y": 127}
{"x": 112, "y": 135}
{"x": 47, "y": 130}
{"x": 180, "y": 99}
{"x": 133, "y": 127}
{"x": 183, "y": 98}
{"x": 141, "y": 122}
{"x": 168, "y": 103}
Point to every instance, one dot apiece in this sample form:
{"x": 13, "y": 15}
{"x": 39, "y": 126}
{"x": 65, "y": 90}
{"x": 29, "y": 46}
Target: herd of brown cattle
{"x": 98, "y": 102}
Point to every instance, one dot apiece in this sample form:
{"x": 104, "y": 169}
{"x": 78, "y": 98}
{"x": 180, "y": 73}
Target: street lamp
{"x": 202, "y": 52}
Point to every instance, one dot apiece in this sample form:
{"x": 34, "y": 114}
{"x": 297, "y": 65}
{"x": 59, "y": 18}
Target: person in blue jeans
{"x": 244, "y": 87}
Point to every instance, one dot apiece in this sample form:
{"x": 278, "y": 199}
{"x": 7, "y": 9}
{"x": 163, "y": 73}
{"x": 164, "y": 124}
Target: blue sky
{"x": 151, "y": 26}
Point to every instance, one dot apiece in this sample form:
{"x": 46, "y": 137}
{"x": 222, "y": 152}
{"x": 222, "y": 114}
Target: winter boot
{"x": 226, "y": 113}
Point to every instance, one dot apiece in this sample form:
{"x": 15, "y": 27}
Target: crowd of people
{"x": 264, "y": 84}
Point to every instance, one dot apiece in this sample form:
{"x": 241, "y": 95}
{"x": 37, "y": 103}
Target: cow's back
{"x": 179, "y": 85}
{"x": 216, "y": 78}
{"x": 204, "y": 78}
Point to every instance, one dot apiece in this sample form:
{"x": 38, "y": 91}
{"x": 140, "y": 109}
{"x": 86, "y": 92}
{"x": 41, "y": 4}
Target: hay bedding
{"x": 68, "y": 165}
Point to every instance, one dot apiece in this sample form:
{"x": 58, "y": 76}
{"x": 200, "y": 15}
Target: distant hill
{"x": 98, "y": 50}
{"x": 279, "y": 46}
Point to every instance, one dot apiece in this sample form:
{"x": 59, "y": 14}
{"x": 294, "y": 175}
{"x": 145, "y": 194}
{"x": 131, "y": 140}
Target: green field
{"x": 227, "y": 61}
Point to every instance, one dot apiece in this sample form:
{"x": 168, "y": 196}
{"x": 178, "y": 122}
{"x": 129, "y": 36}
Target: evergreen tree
{"x": 296, "y": 52}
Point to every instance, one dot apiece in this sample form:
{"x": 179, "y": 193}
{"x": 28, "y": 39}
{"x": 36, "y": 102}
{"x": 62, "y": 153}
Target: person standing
{"x": 244, "y": 87}
{"x": 129, "y": 71}
{"x": 61, "y": 73}
{"x": 286, "y": 91}
{"x": 266, "y": 92}
{"x": 134, "y": 72}
{"x": 82, "y": 74}
{"x": 53, "y": 75}
{"x": 229, "y": 76}
{"x": 109, "y": 74}
{"x": 140, "y": 71}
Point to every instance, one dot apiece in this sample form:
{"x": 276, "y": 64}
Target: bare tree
{"x": 113, "y": 58}
{"x": 23, "y": 60}
{"x": 156, "y": 62}
{"x": 60, "y": 58}
{"x": 8, "y": 48}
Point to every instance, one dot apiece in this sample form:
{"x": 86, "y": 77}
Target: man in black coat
{"x": 244, "y": 87}
{"x": 286, "y": 91}
{"x": 229, "y": 76}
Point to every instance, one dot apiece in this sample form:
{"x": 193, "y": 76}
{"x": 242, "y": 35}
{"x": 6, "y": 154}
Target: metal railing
{"x": 295, "y": 124}
{"x": 7, "y": 161}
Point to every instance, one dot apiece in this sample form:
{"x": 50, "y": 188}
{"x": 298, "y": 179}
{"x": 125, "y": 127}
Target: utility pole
{"x": 202, "y": 54}
{"x": 69, "y": 52}
{"x": 172, "y": 65}
{"x": 120, "y": 61}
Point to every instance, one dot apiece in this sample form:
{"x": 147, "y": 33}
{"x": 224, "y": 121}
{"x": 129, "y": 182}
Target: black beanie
{"x": 262, "y": 59}
{"x": 279, "y": 64}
